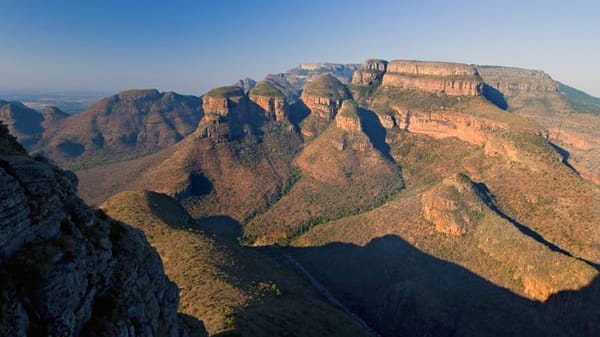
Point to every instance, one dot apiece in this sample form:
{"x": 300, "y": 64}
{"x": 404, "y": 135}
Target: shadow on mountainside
{"x": 495, "y": 96}
{"x": 375, "y": 131}
{"x": 399, "y": 290}
{"x": 565, "y": 155}
{"x": 488, "y": 199}
{"x": 298, "y": 112}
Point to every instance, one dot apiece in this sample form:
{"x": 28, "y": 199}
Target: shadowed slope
{"x": 238, "y": 291}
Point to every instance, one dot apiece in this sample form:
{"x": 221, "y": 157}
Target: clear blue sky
{"x": 191, "y": 46}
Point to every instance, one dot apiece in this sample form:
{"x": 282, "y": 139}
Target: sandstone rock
{"x": 452, "y": 206}
{"x": 66, "y": 270}
{"x": 324, "y": 95}
{"x": 225, "y": 108}
{"x": 271, "y": 100}
{"x": 510, "y": 81}
{"x": 347, "y": 118}
{"x": 452, "y": 79}
{"x": 371, "y": 72}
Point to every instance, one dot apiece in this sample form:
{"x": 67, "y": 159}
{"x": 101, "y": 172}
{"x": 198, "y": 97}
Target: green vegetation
{"x": 579, "y": 100}
{"x": 265, "y": 88}
{"x": 413, "y": 99}
{"x": 226, "y": 92}
{"x": 235, "y": 290}
{"x": 326, "y": 86}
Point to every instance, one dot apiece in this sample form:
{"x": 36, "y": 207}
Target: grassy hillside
{"x": 579, "y": 100}
{"x": 238, "y": 291}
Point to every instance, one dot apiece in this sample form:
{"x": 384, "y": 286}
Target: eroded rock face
{"x": 452, "y": 206}
{"x": 452, "y": 79}
{"x": 223, "y": 109}
{"x": 274, "y": 108}
{"x": 371, "y": 72}
{"x": 66, "y": 270}
{"x": 511, "y": 81}
{"x": 270, "y": 101}
{"x": 324, "y": 95}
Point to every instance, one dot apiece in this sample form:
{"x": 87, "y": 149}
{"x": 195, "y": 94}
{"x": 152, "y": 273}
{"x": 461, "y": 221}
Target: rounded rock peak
{"x": 326, "y": 85}
{"x": 226, "y": 92}
{"x": 266, "y": 89}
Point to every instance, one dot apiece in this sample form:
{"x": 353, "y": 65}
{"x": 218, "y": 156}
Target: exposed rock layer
{"x": 66, "y": 270}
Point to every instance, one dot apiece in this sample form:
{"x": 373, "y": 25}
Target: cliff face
{"x": 66, "y": 270}
{"x": 223, "y": 108}
{"x": 324, "y": 96}
{"x": 270, "y": 100}
{"x": 437, "y": 77}
{"x": 511, "y": 81}
{"x": 371, "y": 72}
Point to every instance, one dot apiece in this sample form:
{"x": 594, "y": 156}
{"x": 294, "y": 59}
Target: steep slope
{"x": 238, "y": 291}
{"x": 27, "y": 124}
{"x": 341, "y": 173}
{"x": 69, "y": 271}
{"x": 322, "y": 97}
{"x": 452, "y": 79}
{"x": 130, "y": 123}
{"x": 236, "y": 163}
{"x": 485, "y": 191}
{"x": 569, "y": 118}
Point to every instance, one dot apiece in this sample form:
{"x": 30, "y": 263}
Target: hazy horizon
{"x": 193, "y": 46}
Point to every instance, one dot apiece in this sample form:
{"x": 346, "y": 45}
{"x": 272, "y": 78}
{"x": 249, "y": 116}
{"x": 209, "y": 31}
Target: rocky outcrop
{"x": 324, "y": 96}
{"x": 452, "y": 207}
{"x": 452, "y": 79}
{"x": 222, "y": 107}
{"x": 347, "y": 117}
{"x": 270, "y": 100}
{"x": 66, "y": 270}
{"x": 371, "y": 72}
{"x": 511, "y": 81}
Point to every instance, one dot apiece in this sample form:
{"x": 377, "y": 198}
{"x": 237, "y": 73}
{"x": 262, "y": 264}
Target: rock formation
{"x": 452, "y": 207}
{"x": 371, "y": 72}
{"x": 347, "y": 117}
{"x": 510, "y": 81}
{"x": 324, "y": 96}
{"x": 66, "y": 270}
{"x": 271, "y": 100}
{"x": 224, "y": 108}
{"x": 452, "y": 79}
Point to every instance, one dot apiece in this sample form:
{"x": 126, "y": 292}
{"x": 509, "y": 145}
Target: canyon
{"x": 427, "y": 198}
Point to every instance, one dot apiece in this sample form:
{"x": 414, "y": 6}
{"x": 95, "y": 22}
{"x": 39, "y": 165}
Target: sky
{"x": 192, "y": 46}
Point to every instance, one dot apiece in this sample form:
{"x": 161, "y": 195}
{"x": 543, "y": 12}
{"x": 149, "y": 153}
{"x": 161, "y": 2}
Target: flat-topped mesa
{"x": 452, "y": 79}
{"x": 271, "y": 100}
{"x": 347, "y": 117}
{"x": 512, "y": 81}
{"x": 371, "y": 72}
{"x": 324, "y": 95}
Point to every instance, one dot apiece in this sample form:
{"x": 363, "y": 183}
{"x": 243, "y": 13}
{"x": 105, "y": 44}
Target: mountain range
{"x": 391, "y": 198}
